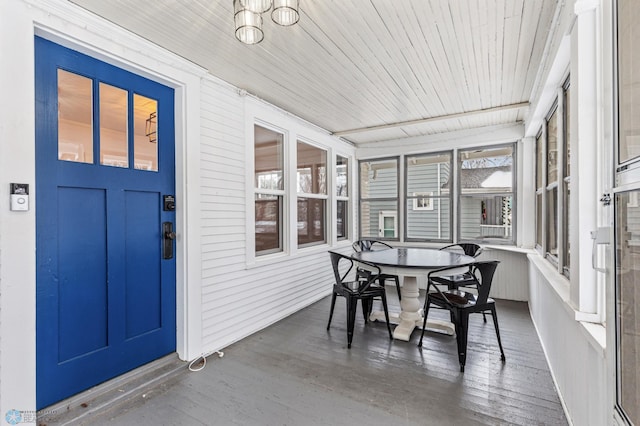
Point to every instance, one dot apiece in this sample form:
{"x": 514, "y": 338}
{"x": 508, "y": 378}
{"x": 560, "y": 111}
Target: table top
{"x": 415, "y": 258}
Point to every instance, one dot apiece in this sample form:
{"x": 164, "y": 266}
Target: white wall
{"x": 574, "y": 350}
{"x": 579, "y": 357}
{"x": 221, "y": 297}
{"x": 241, "y": 293}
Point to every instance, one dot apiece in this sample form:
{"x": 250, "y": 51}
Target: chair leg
{"x": 495, "y": 323}
{"x": 352, "y": 307}
{"x": 398, "y": 288}
{"x": 367, "y": 305}
{"x": 484, "y": 317}
{"x": 386, "y": 314}
{"x": 333, "y": 304}
{"x": 424, "y": 321}
{"x": 462, "y": 327}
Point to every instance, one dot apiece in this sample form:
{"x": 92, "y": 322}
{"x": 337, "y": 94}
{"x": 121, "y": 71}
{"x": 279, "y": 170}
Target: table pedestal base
{"x": 404, "y": 328}
{"x": 410, "y": 316}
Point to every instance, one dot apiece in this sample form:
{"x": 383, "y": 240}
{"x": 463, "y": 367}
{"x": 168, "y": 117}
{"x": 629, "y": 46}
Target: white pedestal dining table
{"x": 409, "y": 263}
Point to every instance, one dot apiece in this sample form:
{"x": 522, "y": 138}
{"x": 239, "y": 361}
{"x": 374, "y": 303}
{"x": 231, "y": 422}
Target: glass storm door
{"x": 105, "y": 300}
{"x": 628, "y": 303}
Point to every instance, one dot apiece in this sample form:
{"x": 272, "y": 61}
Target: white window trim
{"x": 423, "y": 196}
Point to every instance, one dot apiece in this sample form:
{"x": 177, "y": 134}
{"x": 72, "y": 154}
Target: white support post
{"x": 584, "y": 291}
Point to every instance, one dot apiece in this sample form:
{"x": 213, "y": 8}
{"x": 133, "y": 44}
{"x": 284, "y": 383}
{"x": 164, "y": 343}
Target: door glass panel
{"x": 114, "y": 149}
{"x": 628, "y": 302}
{"x": 145, "y": 131}
{"x": 628, "y": 80}
{"x": 75, "y": 121}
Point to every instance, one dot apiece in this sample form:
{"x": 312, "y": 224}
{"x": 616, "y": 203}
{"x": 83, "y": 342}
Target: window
{"x": 566, "y": 247}
{"x": 379, "y": 198}
{"x": 312, "y": 194}
{"x": 269, "y": 190}
{"x": 553, "y": 177}
{"x": 428, "y": 200}
{"x": 342, "y": 196}
{"x": 539, "y": 190}
{"x": 486, "y": 177}
{"x": 552, "y": 183}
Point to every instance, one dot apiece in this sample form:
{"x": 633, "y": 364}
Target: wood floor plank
{"x": 298, "y": 373}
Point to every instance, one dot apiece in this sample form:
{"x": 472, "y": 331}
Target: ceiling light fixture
{"x": 248, "y": 17}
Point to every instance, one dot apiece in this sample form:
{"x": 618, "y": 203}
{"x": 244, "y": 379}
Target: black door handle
{"x": 168, "y": 235}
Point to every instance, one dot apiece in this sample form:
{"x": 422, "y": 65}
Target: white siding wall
{"x": 510, "y": 281}
{"x": 574, "y": 350}
{"x": 241, "y": 296}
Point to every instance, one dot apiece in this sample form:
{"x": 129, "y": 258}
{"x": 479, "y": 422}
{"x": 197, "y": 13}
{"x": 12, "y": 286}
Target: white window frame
{"x": 325, "y": 196}
{"x": 428, "y": 196}
{"x": 342, "y": 198}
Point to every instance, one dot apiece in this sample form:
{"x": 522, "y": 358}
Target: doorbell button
{"x": 19, "y": 202}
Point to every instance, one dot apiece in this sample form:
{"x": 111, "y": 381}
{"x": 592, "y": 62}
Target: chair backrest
{"x": 367, "y": 244}
{"x": 485, "y": 270}
{"x": 470, "y": 249}
{"x": 343, "y": 264}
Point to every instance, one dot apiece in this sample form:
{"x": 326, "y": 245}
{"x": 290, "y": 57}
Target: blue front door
{"x": 105, "y": 300}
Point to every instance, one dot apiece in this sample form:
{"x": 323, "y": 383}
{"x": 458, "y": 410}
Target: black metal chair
{"x": 371, "y": 245}
{"x": 461, "y": 304}
{"x": 460, "y": 278}
{"x": 359, "y": 289}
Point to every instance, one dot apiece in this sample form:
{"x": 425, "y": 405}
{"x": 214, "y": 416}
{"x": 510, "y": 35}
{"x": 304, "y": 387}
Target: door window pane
{"x": 114, "y": 147}
{"x": 628, "y": 302}
{"x": 75, "y": 117}
{"x": 628, "y": 80}
{"x": 145, "y": 130}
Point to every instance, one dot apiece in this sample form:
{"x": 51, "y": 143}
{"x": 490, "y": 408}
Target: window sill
{"x": 301, "y": 252}
{"x": 512, "y": 249}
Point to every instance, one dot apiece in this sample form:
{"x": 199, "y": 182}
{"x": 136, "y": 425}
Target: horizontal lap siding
{"x": 237, "y": 301}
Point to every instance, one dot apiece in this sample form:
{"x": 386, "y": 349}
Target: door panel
{"x": 81, "y": 260}
{"x": 143, "y": 295}
{"x": 105, "y": 301}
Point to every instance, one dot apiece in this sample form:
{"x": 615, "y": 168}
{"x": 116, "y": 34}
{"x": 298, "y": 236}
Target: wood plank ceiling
{"x": 366, "y": 70}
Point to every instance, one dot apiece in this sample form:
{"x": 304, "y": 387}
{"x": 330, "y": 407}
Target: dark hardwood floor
{"x": 297, "y": 373}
